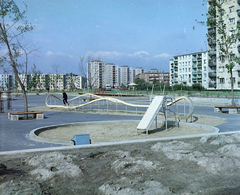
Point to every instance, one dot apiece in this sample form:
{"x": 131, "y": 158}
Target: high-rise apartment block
{"x": 111, "y": 75}
{"x": 219, "y": 77}
{"x": 101, "y": 74}
{"x": 125, "y": 75}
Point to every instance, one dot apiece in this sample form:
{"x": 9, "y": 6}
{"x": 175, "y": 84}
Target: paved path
{"x": 14, "y": 134}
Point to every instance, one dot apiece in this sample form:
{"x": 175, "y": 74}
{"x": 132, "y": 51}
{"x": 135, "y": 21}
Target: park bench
{"x": 231, "y": 110}
{"x": 15, "y": 115}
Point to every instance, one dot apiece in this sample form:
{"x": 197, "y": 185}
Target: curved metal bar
{"x": 100, "y": 98}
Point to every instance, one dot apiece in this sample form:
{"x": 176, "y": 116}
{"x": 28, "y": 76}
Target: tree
{"x": 223, "y": 37}
{"x": 92, "y": 73}
{"x": 141, "y": 84}
{"x": 70, "y": 81}
{"x": 56, "y": 77}
{"x": 13, "y": 25}
{"x": 35, "y": 78}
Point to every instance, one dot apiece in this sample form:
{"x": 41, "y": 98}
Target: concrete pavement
{"x": 14, "y": 134}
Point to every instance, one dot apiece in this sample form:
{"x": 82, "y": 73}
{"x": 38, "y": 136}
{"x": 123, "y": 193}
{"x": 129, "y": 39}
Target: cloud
{"x": 50, "y": 53}
{"x": 163, "y": 55}
{"x": 141, "y": 53}
{"x": 114, "y": 54}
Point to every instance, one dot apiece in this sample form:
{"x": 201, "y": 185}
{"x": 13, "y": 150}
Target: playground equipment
{"x": 162, "y": 104}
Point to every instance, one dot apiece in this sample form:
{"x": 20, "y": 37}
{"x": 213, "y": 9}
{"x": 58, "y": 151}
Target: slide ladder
{"x": 151, "y": 113}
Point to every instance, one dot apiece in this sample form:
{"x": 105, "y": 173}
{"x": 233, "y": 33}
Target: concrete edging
{"x": 34, "y": 133}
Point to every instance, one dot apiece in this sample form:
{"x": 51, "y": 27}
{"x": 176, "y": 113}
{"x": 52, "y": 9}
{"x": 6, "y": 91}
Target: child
{"x": 65, "y": 97}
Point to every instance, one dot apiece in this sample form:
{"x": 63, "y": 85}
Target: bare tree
{"x": 56, "y": 77}
{"x": 13, "y": 25}
{"x": 91, "y": 75}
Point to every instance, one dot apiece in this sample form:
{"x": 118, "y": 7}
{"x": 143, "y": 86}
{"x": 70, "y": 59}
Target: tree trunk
{"x": 16, "y": 75}
{"x": 231, "y": 74}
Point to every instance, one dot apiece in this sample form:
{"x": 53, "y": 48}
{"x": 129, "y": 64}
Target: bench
{"x": 231, "y": 110}
{"x": 14, "y": 116}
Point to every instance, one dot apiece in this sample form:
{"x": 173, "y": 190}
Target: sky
{"x": 137, "y": 33}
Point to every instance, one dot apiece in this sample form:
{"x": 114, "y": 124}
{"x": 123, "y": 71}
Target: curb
{"x": 34, "y": 133}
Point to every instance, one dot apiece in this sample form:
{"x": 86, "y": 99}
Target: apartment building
{"x": 154, "y": 74}
{"x": 137, "y": 71}
{"x": 95, "y": 70}
{"x": 111, "y": 75}
{"x": 6, "y": 81}
{"x": 219, "y": 77}
{"x": 125, "y": 75}
{"x": 189, "y": 69}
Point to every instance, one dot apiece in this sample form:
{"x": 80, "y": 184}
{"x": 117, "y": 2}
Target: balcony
{"x": 212, "y": 63}
{"x": 212, "y": 74}
{"x": 212, "y": 85}
{"x": 238, "y": 11}
{"x": 211, "y": 42}
{"x": 212, "y": 52}
{"x": 212, "y": 31}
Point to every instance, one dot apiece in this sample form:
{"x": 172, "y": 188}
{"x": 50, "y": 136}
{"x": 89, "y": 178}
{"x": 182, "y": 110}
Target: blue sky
{"x": 137, "y": 33}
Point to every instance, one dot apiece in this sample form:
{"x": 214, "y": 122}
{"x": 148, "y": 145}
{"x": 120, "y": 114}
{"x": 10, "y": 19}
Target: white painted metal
{"x": 151, "y": 113}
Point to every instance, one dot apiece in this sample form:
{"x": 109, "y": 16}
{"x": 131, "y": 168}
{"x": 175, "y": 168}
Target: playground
{"x": 196, "y": 164}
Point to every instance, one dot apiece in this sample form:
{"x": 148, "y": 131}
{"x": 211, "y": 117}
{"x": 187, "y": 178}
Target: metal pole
{"x": 184, "y": 107}
{"x": 156, "y": 122}
{"x": 116, "y": 107}
{"x": 1, "y": 103}
{"x": 166, "y": 120}
{"x": 136, "y": 110}
{"x": 9, "y": 106}
{"x": 126, "y": 108}
{"x": 107, "y": 105}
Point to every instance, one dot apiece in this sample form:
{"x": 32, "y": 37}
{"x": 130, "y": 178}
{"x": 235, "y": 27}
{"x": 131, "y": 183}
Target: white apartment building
{"x": 44, "y": 81}
{"x": 111, "y": 75}
{"x": 6, "y": 81}
{"x": 73, "y": 82}
{"x": 219, "y": 77}
{"x": 95, "y": 70}
{"x": 189, "y": 69}
{"x": 125, "y": 75}
{"x": 137, "y": 71}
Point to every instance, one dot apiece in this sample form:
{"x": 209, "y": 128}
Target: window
{"x": 222, "y": 81}
{"x": 231, "y": 9}
{"x": 221, "y": 69}
{"x": 222, "y": 57}
{"x": 231, "y": 57}
{"x": 232, "y": 20}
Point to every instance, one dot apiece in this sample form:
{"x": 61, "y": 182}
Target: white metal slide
{"x": 151, "y": 113}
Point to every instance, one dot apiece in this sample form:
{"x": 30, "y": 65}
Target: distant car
{"x": 5, "y": 97}
{"x": 108, "y": 87}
